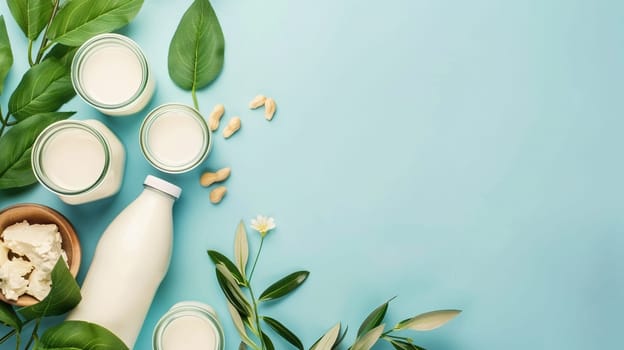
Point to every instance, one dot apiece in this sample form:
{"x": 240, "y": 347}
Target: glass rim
{"x": 95, "y": 42}
{"x": 145, "y": 130}
{"x": 44, "y": 137}
{"x": 187, "y": 309}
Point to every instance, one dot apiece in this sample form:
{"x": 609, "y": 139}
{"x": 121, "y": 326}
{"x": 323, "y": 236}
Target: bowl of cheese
{"x": 33, "y": 238}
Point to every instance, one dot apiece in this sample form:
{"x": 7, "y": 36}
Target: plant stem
{"x": 7, "y": 336}
{"x": 253, "y": 298}
{"x": 253, "y": 268}
{"x": 18, "y": 341}
{"x": 255, "y": 307}
{"x": 391, "y": 337}
{"x": 44, "y": 40}
{"x": 30, "y": 47}
{"x": 33, "y": 335}
{"x": 195, "y": 103}
{"x": 3, "y": 122}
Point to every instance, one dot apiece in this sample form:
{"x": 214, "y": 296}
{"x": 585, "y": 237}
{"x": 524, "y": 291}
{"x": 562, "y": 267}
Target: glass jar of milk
{"x": 80, "y": 161}
{"x": 188, "y": 325}
{"x": 175, "y": 138}
{"x": 110, "y": 73}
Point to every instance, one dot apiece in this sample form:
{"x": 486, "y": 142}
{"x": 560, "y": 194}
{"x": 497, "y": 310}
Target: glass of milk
{"x": 110, "y": 73}
{"x": 175, "y": 138}
{"x": 188, "y": 325}
{"x": 80, "y": 161}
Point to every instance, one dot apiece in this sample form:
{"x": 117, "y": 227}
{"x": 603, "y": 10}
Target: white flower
{"x": 263, "y": 224}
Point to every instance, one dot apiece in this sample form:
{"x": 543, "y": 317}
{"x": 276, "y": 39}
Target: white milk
{"x": 189, "y": 332}
{"x": 175, "y": 138}
{"x": 130, "y": 260}
{"x": 189, "y": 325}
{"x": 80, "y": 161}
{"x": 111, "y": 73}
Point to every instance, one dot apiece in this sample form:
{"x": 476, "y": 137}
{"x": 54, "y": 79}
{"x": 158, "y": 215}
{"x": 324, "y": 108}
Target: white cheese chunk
{"x": 12, "y": 281}
{"x": 39, "y": 284}
{"x": 4, "y": 253}
{"x": 40, "y": 245}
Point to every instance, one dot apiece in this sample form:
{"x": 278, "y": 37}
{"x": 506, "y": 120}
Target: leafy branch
{"x": 60, "y": 27}
{"x": 244, "y": 309}
{"x": 245, "y": 314}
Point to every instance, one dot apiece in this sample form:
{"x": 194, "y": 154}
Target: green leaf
{"x": 64, "y": 54}
{"x": 328, "y": 340}
{"x": 402, "y": 345}
{"x": 374, "y": 318}
{"x": 6, "y": 55}
{"x": 242, "y": 346}
{"x": 219, "y": 258}
{"x": 267, "y": 342}
{"x": 79, "y": 335}
{"x": 240, "y": 327}
{"x": 44, "y": 88}
{"x": 428, "y": 321}
{"x": 15, "y": 149}
{"x": 284, "y": 332}
{"x": 64, "y": 296}
{"x": 197, "y": 48}
{"x": 8, "y": 317}
{"x": 369, "y": 339}
{"x": 232, "y": 292}
{"x": 31, "y": 15}
{"x": 241, "y": 247}
{"x": 341, "y": 337}
{"x": 79, "y": 20}
{"x": 284, "y": 286}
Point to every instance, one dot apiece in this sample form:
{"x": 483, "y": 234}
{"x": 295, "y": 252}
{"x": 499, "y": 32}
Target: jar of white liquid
{"x": 188, "y": 325}
{"x": 110, "y": 73}
{"x": 175, "y": 138}
{"x": 80, "y": 161}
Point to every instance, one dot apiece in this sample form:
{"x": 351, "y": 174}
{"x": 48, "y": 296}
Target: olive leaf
{"x": 267, "y": 342}
{"x": 79, "y": 335}
{"x": 284, "y": 286}
{"x": 219, "y": 258}
{"x": 241, "y": 247}
{"x": 197, "y": 48}
{"x": 284, "y": 332}
{"x": 428, "y": 321}
{"x": 31, "y": 15}
{"x": 369, "y": 339}
{"x": 403, "y": 345}
{"x": 8, "y": 317}
{"x": 64, "y": 296}
{"x": 374, "y": 318}
{"x": 232, "y": 291}
{"x": 16, "y": 145}
{"x": 6, "y": 55}
{"x": 328, "y": 340}
{"x": 79, "y": 20}
{"x": 44, "y": 88}
{"x": 240, "y": 327}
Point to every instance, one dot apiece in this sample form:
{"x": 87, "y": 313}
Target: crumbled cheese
{"x": 12, "y": 279}
{"x": 37, "y": 245}
{"x": 39, "y": 284}
{"x": 4, "y": 253}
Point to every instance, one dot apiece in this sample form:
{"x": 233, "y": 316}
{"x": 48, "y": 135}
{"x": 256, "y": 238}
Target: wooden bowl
{"x": 40, "y": 214}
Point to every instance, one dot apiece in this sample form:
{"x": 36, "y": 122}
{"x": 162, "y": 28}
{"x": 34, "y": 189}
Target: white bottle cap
{"x": 162, "y": 185}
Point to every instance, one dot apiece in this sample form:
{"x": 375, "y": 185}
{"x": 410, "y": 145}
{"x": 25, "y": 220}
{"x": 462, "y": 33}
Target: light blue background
{"x": 457, "y": 154}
